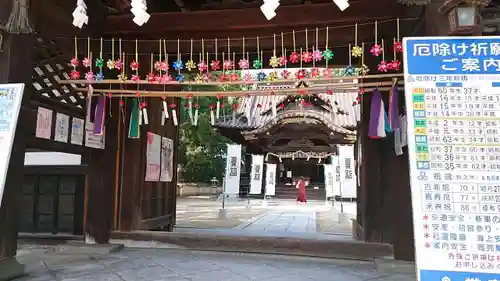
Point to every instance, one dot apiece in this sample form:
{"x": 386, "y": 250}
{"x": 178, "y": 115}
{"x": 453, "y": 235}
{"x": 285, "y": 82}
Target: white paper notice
{"x": 61, "y": 130}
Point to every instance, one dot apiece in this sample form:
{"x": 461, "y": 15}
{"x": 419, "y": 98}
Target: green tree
{"x": 202, "y": 151}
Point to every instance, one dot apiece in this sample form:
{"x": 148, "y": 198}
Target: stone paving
{"x": 177, "y": 265}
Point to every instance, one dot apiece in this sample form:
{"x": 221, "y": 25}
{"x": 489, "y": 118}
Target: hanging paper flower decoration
{"x": 228, "y": 64}
{"x": 273, "y": 76}
{"x": 166, "y": 78}
{"x": 300, "y": 74}
{"x": 285, "y": 74}
{"x": 74, "y": 62}
{"x": 190, "y": 65}
{"x": 178, "y": 65}
{"x": 294, "y": 57}
{"x": 328, "y": 54}
{"x": 383, "y": 66}
{"x": 315, "y": 73}
{"x": 376, "y": 50}
{"x": 247, "y": 77}
{"x": 122, "y": 77}
{"x": 364, "y": 69}
{"x": 118, "y": 64}
{"x": 274, "y": 62}
{"x": 233, "y": 77}
{"x": 99, "y": 76}
{"x": 243, "y": 64}
{"x": 179, "y": 78}
{"x": 327, "y": 73}
{"x": 151, "y": 78}
{"x": 134, "y": 65}
{"x": 283, "y": 60}
{"x": 202, "y": 66}
{"x": 317, "y": 55}
{"x": 135, "y": 78}
{"x": 215, "y": 65}
{"x": 157, "y": 79}
{"x": 257, "y": 64}
{"x": 307, "y": 57}
{"x": 89, "y": 76}
{"x": 111, "y": 64}
{"x": 223, "y": 77}
{"x": 99, "y": 62}
{"x": 394, "y": 65}
{"x": 158, "y": 65}
{"x": 398, "y": 47}
{"x": 86, "y": 62}
{"x": 261, "y": 76}
{"x": 164, "y": 66}
{"x": 199, "y": 78}
{"x": 74, "y": 74}
{"x": 356, "y": 51}
{"x": 349, "y": 71}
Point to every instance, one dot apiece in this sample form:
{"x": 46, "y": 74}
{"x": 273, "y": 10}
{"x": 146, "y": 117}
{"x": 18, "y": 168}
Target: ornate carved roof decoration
{"x": 414, "y": 2}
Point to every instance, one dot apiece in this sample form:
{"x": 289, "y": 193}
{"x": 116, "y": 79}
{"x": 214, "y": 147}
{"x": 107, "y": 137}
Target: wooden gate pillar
{"x": 16, "y": 66}
{"x": 101, "y": 181}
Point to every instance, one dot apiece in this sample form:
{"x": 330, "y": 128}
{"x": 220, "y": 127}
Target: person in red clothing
{"x": 301, "y": 189}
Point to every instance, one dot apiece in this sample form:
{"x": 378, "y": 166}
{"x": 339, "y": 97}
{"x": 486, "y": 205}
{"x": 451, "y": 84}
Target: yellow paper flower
{"x": 272, "y": 76}
{"x": 122, "y": 77}
{"x": 190, "y": 65}
{"x": 357, "y": 51}
{"x": 364, "y": 69}
{"x": 198, "y": 79}
{"x": 274, "y": 62}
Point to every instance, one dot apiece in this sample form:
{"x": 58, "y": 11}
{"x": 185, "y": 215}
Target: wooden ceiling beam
{"x": 243, "y": 19}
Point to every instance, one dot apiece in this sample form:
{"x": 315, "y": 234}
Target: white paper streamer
{"x": 196, "y": 117}
{"x": 174, "y": 117}
{"x": 275, "y": 111}
{"x": 165, "y": 109}
{"x": 145, "y": 116}
{"x": 163, "y": 118}
{"x": 217, "y": 112}
{"x": 140, "y": 117}
{"x": 212, "y": 117}
{"x": 190, "y": 114}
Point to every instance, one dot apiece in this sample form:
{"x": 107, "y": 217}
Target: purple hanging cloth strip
{"x": 374, "y": 115}
{"x": 394, "y": 121}
{"x": 100, "y": 115}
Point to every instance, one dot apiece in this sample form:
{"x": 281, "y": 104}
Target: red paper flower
{"x": 376, "y": 50}
{"x": 223, "y": 77}
{"x": 158, "y": 79}
{"x": 75, "y": 62}
{"x": 219, "y": 97}
{"x": 228, "y": 64}
{"x": 314, "y": 72}
{"x": 398, "y": 47}
{"x": 327, "y": 73}
{"x": 196, "y": 106}
{"x": 172, "y": 105}
{"x": 166, "y": 78}
{"x": 300, "y": 74}
{"x": 190, "y": 96}
{"x": 187, "y": 106}
{"x": 307, "y": 57}
{"x": 294, "y": 57}
{"x": 74, "y": 74}
{"x": 122, "y": 103}
{"x": 283, "y": 60}
{"x": 151, "y": 78}
{"x": 330, "y": 92}
{"x": 383, "y": 66}
{"x": 285, "y": 74}
{"x": 215, "y": 65}
{"x": 202, "y": 66}
{"x": 235, "y": 106}
{"x": 134, "y": 65}
{"x": 211, "y": 106}
{"x": 233, "y": 77}
{"x": 282, "y": 105}
{"x": 394, "y": 65}
{"x": 135, "y": 78}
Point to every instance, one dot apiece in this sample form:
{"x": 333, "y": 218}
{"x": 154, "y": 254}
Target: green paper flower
{"x": 257, "y": 64}
{"x": 328, "y": 54}
{"x": 99, "y": 62}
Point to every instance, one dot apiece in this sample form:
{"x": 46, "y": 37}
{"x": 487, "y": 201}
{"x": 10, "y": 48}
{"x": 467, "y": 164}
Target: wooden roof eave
{"x": 294, "y": 114}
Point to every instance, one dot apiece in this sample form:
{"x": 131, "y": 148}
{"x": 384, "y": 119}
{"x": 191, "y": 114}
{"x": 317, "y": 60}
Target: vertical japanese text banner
{"x": 271, "y": 180}
{"x": 233, "y": 167}
{"x": 256, "y": 174}
{"x": 329, "y": 179}
{"x": 347, "y": 175}
{"x": 167, "y": 160}
{"x": 336, "y": 174}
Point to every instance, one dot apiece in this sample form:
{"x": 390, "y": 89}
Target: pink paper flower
{"x": 307, "y": 57}
{"x": 285, "y": 74}
{"x": 166, "y": 78}
{"x": 75, "y": 75}
{"x": 202, "y": 66}
{"x": 86, "y": 62}
{"x": 294, "y": 57}
{"x": 283, "y": 60}
{"x": 327, "y": 73}
{"x": 118, "y": 64}
{"x": 376, "y": 50}
{"x": 383, "y": 66}
{"x": 317, "y": 55}
{"x": 243, "y": 64}
{"x": 300, "y": 74}
{"x": 228, "y": 64}
{"x": 75, "y": 62}
{"x": 233, "y": 77}
{"x": 134, "y": 65}
{"x": 89, "y": 76}
{"x": 394, "y": 65}
{"x": 215, "y": 65}
{"x": 151, "y": 78}
{"x": 135, "y": 78}
{"x": 247, "y": 77}
{"x": 398, "y": 47}
{"x": 314, "y": 73}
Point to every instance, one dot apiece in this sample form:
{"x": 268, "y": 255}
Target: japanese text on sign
{"x": 454, "y": 146}
{"x": 256, "y": 175}
{"x": 233, "y": 172}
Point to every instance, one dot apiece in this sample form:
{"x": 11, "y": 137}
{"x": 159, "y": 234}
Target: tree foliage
{"x": 202, "y": 151}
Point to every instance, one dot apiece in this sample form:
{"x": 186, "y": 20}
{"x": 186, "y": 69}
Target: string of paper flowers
{"x": 228, "y": 70}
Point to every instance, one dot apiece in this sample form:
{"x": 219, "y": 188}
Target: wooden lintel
{"x": 243, "y": 19}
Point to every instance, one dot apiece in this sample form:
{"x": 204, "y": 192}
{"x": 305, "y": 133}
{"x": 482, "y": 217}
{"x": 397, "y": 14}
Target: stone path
{"x": 180, "y": 265}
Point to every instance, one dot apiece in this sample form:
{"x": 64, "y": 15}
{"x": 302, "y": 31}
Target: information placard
{"x": 452, "y": 88}
{"x": 11, "y": 96}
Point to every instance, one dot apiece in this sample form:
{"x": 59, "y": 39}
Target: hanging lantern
{"x": 463, "y": 16}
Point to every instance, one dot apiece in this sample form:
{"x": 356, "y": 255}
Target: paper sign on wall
{"x": 43, "y": 123}
{"x": 167, "y": 160}
{"x": 61, "y": 130}
{"x": 256, "y": 174}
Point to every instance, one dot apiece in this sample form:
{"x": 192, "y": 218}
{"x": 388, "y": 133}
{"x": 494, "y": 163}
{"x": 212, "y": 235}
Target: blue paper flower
{"x": 261, "y": 76}
{"x": 179, "y": 78}
{"x": 349, "y": 71}
{"x": 178, "y": 65}
{"x": 99, "y": 76}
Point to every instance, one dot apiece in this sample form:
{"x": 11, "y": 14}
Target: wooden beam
{"x": 243, "y": 19}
